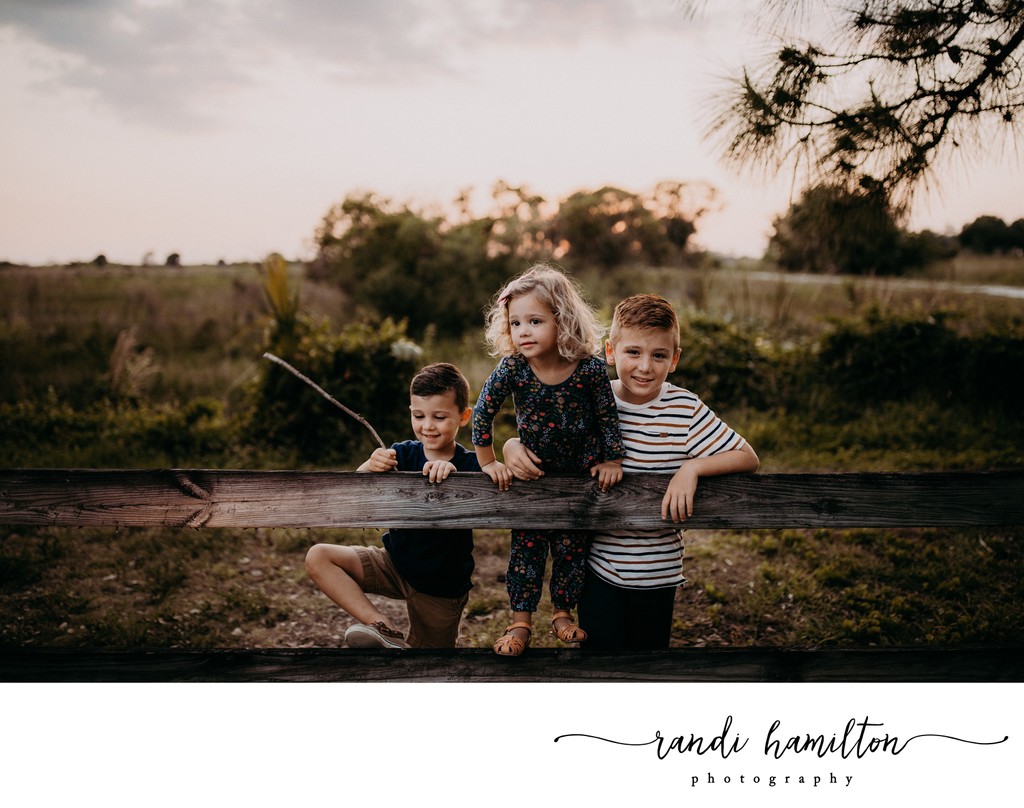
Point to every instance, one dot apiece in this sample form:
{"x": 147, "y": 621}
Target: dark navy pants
{"x": 619, "y": 619}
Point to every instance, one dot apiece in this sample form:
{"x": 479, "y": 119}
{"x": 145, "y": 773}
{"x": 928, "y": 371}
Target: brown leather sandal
{"x": 571, "y": 633}
{"x": 509, "y": 644}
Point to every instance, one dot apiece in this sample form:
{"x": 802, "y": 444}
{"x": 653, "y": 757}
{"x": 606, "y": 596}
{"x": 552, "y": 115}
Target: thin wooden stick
{"x": 326, "y": 395}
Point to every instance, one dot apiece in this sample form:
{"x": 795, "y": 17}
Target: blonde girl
{"x": 547, "y": 337}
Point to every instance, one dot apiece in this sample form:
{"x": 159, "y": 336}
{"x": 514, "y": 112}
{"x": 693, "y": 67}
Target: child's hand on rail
{"x": 677, "y": 504}
{"x": 438, "y": 470}
{"x": 608, "y": 473}
{"x": 525, "y": 465}
{"x": 499, "y": 474}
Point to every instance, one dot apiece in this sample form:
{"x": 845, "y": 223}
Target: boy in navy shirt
{"x": 429, "y": 569}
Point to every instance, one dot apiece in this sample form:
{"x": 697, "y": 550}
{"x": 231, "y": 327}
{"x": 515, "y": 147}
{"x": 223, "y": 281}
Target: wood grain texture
{"x": 1002, "y": 664}
{"x": 237, "y": 498}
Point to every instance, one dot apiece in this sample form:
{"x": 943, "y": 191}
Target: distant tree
{"x": 437, "y": 273}
{"x": 914, "y": 81}
{"x": 595, "y": 226}
{"x": 835, "y": 230}
{"x": 519, "y": 225}
{"x": 925, "y": 247}
{"x": 611, "y": 226}
{"x": 987, "y": 234}
{"x": 393, "y": 261}
{"x": 100, "y": 260}
{"x": 173, "y": 260}
{"x": 678, "y": 206}
{"x": 1017, "y": 234}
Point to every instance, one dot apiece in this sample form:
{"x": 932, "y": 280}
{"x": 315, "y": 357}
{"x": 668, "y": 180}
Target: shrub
{"x": 893, "y": 357}
{"x": 393, "y": 261}
{"x": 890, "y": 357}
{"x": 110, "y": 435}
{"x": 721, "y": 362}
{"x": 366, "y": 367}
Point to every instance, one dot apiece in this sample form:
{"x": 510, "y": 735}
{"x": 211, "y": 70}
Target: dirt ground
{"x": 301, "y": 616}
{"x": 250, "y": 590}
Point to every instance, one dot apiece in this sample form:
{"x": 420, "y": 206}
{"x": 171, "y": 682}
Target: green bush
{"x": 108, "y": 435}
{"x": 366, "y": 367}
{"x": 994, "y": 368}
{"x": 889, "y": 357}
{"x": 729, "y": 366}
{"x": 892, "y": 357}
{"x": 392, "y": 261}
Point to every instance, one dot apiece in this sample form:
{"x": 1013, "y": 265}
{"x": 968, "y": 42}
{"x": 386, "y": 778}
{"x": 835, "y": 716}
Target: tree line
{"x": 392, "y": 259}
{"x": 837, "y": 230}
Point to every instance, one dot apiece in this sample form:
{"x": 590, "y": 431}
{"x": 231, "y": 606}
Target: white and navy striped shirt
{"x": 659, "y": 436}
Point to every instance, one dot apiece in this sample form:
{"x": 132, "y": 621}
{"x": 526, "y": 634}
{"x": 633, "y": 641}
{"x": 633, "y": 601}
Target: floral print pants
{"x": 525, "y": 575}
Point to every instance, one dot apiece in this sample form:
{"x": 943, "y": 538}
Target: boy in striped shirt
{"x": 632, "y": 576}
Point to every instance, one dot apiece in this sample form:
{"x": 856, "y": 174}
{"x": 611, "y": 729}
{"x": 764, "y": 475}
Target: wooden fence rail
{"x": 231, "y": 498}
{"x": 190, "y": 498}
{"x": 976, "y": 664}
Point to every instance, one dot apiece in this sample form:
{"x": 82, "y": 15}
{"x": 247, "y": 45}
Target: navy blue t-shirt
{"x": 434, "y": 561}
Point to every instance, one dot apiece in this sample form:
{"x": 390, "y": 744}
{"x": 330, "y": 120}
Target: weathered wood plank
{"x": 978, "y": 664}
{"x": 237, "y": 498}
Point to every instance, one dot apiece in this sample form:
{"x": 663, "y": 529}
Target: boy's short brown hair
{"x": 645, "y": 311}
{"x": 438, "y": 378}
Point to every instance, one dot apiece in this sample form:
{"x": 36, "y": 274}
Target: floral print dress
{"x": 571, "y": 426}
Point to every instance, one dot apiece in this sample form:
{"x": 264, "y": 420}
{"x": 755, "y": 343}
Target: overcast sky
{"x": 225, "y": 129}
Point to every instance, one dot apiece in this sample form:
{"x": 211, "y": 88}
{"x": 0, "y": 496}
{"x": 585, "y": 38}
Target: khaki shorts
{"x": 433, "y": 621}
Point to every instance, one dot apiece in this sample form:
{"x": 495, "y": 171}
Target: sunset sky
{"x": 225, "y": 129}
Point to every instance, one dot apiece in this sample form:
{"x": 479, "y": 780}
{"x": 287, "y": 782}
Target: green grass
{"x": 892, "y": 436}
{"x": 853, "y": 588}
{"x": 204, "y": 325}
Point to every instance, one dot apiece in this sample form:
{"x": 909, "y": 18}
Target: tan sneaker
{"x": 375, "y": 635}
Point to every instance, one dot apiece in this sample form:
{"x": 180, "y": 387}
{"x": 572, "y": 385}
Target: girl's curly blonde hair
{"x": 579, "y": 330}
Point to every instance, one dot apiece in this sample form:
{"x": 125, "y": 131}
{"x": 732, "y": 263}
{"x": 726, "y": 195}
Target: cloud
{"x": 149, "y": 61}
{"x": 170, "y": 63}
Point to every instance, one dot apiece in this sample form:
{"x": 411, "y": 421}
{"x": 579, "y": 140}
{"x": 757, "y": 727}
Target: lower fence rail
{"x": 946, "y": 664}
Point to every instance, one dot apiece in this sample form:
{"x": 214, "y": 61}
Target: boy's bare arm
{"x": 677, "y": 504}
{"x": 381, "y": 460}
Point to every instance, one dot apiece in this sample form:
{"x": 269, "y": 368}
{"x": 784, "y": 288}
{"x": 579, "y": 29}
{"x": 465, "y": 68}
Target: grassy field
{"x": 202, "y": 326}
{"x": 200, "y": 329}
